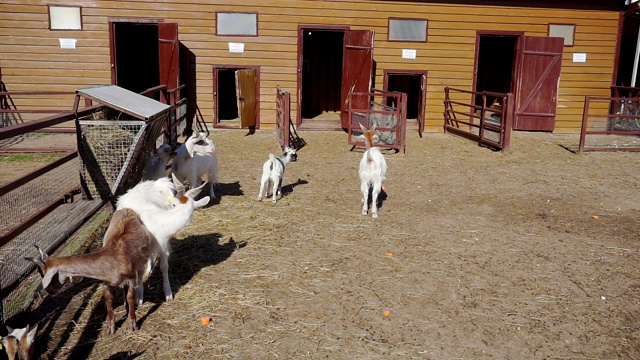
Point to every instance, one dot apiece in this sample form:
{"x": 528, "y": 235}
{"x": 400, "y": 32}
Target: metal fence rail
{"x": 489, "y": 126}
{"x": 610, "y": 124}
{"x": 386, "y": 110}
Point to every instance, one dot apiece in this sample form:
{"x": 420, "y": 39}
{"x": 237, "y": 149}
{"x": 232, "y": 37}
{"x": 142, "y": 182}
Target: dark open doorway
{"x": 145, "y": 54}
{"x": 320, "y": 61}
{"x": 136, "y": 62}
{"x": 626, "y": 54}
{"x": 236, "y": 96}
{"x": 414, "y": 84}
{"x": 496, "y": 65}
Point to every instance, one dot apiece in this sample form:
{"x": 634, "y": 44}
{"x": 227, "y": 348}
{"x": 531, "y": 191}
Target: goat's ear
{"x": 202, "y": 202}
{"x": 179, "y": 186}
{"x": 373, "y": 128}
{"x": 9, "y": 329}
{"x": 31, "y": 335}
{"x": 37, "y": 261}
{"x": 190, "y": 147}
{"x": 46, "y": 280}
{"x": 43, "y": 255}
{"x": 362, "y": 127}
{"x": 192, "y": 193}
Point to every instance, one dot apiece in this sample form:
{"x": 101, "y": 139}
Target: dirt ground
{"x": 532, "y": 254}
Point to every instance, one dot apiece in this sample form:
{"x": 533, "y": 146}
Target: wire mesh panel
{"x": 113, "y": 154}
{"x": 19, "y": 229}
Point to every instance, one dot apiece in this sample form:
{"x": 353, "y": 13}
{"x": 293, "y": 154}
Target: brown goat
{"x": 121, "y": 261}
{"x": 19, "y": 344}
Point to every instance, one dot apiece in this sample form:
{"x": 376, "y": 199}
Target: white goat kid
{"x": 156, "y": 167}
{"x": 192, "y": 161}
{"x": 164, "y": 215}
{"x": 372, "y": 171}
{"x": 120, "y": 262}
{"x": 273, "y": 171}
{"x": 19, "y": 343}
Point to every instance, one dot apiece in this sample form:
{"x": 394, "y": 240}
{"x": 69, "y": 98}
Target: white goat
{"x": 273, "y": 171}
{"x": 118, "y": 263}
{"x": 164, "y": 215}
{"x": 372, "y": 172}
{"x": 19, "y": 343}
{"x": 192, "y": 161}
{"x": 156, "y": 167}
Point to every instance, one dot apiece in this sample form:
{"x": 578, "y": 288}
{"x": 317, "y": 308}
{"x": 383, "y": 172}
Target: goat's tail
{"x": 272, "y": 160}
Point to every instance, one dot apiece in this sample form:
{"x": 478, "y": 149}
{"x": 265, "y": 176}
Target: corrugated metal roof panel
{"x": 126, "y": 101}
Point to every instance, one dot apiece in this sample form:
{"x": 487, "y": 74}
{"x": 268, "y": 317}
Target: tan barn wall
{"x": 31, "y": 58}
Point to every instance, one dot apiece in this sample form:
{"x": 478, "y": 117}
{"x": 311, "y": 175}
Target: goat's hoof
{"x": 364, "y": 212}
{"x": 134, "y": 326}
{"x": 274, "y": 201}
{"x": 139, "y": 302}
{"x": 112, "y": 327}
{"x": 169, "y": 297}
{"x": 259, "y": 198}
{"x": 375, "y": 215}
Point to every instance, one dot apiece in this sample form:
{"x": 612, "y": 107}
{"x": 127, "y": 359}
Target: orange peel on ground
{"x": 205, "y": 320}
{"x": 387, "y": 313}
{"x": 595, "y": 217}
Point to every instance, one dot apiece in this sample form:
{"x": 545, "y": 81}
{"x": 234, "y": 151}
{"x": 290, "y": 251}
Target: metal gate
{"x": 610, "y": 124}
{"x": 490, "y": 125}
{"x": 386, "y": 110}
{"x": 287, "y": 136}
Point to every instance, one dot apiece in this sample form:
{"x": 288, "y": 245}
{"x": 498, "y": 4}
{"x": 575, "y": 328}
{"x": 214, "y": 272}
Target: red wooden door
{"x": 169, "y": 59}
{"x": 357, "y": 66}
{"x": 421, "y": 103}
{"x": 537, "y": 84}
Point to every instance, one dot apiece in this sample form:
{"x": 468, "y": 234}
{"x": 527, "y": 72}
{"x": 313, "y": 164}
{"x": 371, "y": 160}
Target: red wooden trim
{"x": 616, "y": 59}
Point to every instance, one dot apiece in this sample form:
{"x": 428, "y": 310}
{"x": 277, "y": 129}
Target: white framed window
{"x": 407, "y": 30}
{"x": 65, "y": 17}
{"x": 237, "y": 24}
{"x": 566, "y": 31}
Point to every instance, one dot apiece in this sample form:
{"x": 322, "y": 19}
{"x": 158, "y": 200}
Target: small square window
{"x": 564, "y": 31}
{"x": 238, "y": 24}
{"x": 65, "y": 18}
{"x": 407, "y": 30}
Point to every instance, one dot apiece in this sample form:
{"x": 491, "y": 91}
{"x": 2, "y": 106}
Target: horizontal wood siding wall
{"x": 31, "y": 58}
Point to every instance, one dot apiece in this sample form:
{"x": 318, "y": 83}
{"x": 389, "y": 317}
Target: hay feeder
{"x": 116, "y": 141}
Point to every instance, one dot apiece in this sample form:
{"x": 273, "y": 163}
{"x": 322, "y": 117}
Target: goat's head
{"x": 291, "y": 153}
{"x": 192, "y": 142}
{"x": 19, "y": 344}
{"x": 368, "y": 135}
{"x": 164, "y": 152}
{"x": 188, "y": 196}
{"x": 50, "y": 282}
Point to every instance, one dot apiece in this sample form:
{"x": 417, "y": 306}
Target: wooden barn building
{"x": 235, "y": 52}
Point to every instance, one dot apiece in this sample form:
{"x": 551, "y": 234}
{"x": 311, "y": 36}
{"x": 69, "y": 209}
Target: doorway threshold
{"x": 320, "y": 125}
